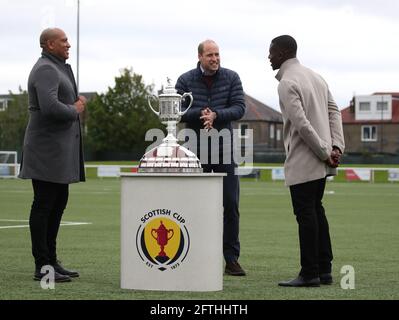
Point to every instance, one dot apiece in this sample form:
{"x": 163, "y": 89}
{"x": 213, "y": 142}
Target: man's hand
{"x": 208, "y": 116}
{"x": 80, "y": 104}
{"x": 335, "y": 158}
{"x": 331, "y": 163}
{"x": 336, "y": 155}
{"x": 83, "y": 99}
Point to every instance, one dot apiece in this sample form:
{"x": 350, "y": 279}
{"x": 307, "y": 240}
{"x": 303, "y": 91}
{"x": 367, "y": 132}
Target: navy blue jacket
{"x": 225, "y": 97}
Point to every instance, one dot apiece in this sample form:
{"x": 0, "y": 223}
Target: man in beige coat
{"x": 314, "y": 142}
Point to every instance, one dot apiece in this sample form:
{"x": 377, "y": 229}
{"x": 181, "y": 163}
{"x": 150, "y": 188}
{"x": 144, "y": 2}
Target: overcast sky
{"x": 353, "y": 44}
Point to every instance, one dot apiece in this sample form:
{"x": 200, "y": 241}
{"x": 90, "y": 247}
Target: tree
{"x": 119, "y": 119}
{"x": 13, "y": 121}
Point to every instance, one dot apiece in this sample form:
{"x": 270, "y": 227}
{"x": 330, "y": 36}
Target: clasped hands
{"x": 80, "y": 104}
{"x": 207, "y": 117}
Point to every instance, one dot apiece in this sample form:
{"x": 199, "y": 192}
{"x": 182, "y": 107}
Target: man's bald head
{"x": 49, "y": 34}
{"x": 55, "y": 41}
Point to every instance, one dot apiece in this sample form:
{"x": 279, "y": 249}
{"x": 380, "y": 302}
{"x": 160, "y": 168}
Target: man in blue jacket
{"x": 218, "y": 100}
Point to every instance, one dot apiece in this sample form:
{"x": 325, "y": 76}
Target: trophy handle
{"x": 149, "y": 103}
{"x": 191, "y": 102}
{"x": 172, "y": 234}
{"x": 154, "y": 230}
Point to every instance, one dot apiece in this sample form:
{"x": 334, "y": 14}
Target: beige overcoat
{"x": 312, "y": 123}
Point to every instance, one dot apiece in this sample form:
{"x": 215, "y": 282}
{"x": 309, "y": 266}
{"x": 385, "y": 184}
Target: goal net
{"x": 9, "y": 164}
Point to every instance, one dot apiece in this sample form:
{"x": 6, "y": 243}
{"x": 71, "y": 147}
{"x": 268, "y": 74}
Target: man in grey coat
{"x": 52, "y": 152}
{"x": 314, "y": 142}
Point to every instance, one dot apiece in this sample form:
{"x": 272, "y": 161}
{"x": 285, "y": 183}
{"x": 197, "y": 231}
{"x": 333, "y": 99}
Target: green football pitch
{"x": 364, "y": 224}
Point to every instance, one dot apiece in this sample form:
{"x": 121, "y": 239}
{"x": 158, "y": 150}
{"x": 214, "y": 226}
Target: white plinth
{"x": 185, "y": 211}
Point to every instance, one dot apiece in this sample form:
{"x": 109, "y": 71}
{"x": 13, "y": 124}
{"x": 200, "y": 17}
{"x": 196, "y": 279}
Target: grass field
{"x": 364, "y": 223}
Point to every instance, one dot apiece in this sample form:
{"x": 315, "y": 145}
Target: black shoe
{"x": 326, "y": 278}
{"x": 234, "y": 269}
{"x": 301, "y": 282}
{"x": 60, "y": 269}
{"x": 57, "y": 276}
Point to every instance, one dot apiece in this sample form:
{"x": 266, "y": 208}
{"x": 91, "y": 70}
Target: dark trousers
{"x": 314, "y": 235}
{"x": 48, "y": 205}
{"x": 231, "y": 215}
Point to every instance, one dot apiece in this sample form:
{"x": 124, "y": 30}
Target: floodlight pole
{"x": 77, "y": 48}
{"x": 382, "y": 125}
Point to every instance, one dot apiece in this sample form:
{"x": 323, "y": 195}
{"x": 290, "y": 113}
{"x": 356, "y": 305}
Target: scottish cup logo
{"x": 162, "y": 240}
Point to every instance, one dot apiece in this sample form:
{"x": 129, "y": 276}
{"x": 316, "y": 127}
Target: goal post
{"x": 9, "y": 167}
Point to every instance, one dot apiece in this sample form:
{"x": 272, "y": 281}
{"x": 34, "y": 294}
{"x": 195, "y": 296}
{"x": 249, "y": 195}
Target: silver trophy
{"x": 169, "y": 156}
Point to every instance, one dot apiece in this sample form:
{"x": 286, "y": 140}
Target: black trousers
{"x": 48, "y": 205}
{"x": 231, "y": 215}
{"x": 314, "y": 234}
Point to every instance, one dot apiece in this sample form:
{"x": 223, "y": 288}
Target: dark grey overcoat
{"x": 52, "y": 149}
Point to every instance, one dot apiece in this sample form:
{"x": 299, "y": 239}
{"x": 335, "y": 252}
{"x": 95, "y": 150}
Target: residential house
{"x": 371, "y": 124}
{"x": 266, "y": 124}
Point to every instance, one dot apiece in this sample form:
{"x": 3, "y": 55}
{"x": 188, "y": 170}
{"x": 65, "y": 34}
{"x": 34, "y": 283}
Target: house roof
{"x": 258, "y": 111}
{"x": 348, "y": 116}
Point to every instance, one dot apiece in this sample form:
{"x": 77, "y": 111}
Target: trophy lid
{"x": 169, "y": 90}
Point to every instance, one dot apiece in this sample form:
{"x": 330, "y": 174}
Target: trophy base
{"x": 170, "y": 170}
{"x": 170, "y": 157}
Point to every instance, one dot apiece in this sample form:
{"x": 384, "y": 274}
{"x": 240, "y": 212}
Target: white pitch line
{"x": 64, "y": 223}
{"x": 11, "y": 227}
